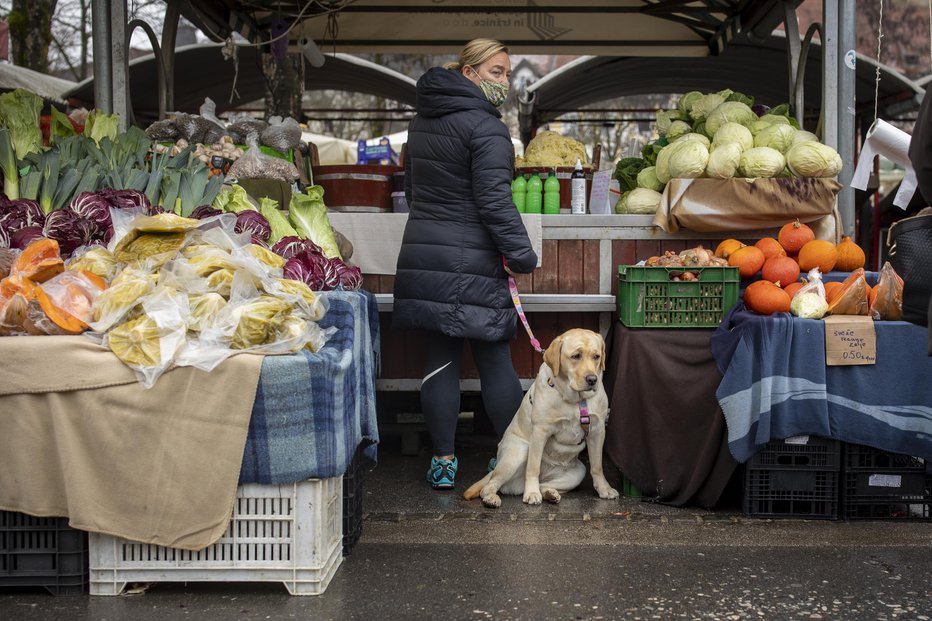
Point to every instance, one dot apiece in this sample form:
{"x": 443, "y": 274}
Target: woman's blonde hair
{"x": 477, "y": 52}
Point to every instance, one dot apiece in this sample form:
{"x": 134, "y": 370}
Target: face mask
{"x": 495, "y": 92}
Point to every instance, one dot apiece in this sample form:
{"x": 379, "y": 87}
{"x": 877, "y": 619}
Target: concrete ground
{"x": 431, "y": 555}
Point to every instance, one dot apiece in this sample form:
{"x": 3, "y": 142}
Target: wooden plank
{"x": 545, "y": 277}
{"x": 591, "y": 266}
{"x": 623, "y": 253}
{"x": 570, "y": 267}
{"x": 646, "y": 248}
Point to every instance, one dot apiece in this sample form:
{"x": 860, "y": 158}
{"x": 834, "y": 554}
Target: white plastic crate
{"x": 278, "y": 533}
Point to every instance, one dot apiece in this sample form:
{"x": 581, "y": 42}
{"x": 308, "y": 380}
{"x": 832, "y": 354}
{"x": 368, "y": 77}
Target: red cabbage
{"x": 93, "y": 207}
{"x": 25, "y": 236}
{"x": 205, "y": 211}
{"x": 254, "y": 223}
{"x": 350, "y": 276}
{"x": 310, "y": 268}
{"x": 16, "y": 214}
{"x": 128, "y": 199}
{"x": 291, "y": 245}
{"x": 4, "y": 238}
{"x": 68, "y": 230}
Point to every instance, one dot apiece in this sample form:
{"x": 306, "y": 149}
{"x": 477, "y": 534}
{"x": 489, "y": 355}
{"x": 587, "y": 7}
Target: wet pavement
{"x": 432, "y": 555}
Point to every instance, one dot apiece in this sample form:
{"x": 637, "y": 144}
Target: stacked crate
{"x": 885, "y": 486}
{"x": 794, "y": 478}
{"x": 44, "y": 552}
{"x": 352, "y": 501}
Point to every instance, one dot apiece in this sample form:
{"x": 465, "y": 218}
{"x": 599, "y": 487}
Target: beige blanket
{"x": 80, "y": 437}
{"x": 712, "y": 205}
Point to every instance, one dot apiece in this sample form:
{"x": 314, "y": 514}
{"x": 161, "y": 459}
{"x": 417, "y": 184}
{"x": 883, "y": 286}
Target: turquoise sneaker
{"x": 492, "y": 463}
{"x": 442, "y": 473}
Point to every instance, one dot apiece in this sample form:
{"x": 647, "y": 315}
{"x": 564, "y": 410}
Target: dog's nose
{"x": 592, "y": 380}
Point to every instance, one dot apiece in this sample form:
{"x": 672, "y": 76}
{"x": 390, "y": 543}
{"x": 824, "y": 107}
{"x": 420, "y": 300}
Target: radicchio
{"x": 205, "y": 211}
{"x": 350, "y": 275}
{"x": 18, "y": 213}
{"x": 291, "y": 245}
{"x": 128, "y": 199}
{"x": 92, "y": 207}
{"x": 68, "y": 230}
{"x": 25, "y": 236}
{"x": 255, "y": 224}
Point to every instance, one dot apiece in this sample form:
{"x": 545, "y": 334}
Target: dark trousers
{"x": 440, "y": 389}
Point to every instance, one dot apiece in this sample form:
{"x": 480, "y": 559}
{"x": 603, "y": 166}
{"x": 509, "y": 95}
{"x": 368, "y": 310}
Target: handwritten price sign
{"x": 850, "y": 339}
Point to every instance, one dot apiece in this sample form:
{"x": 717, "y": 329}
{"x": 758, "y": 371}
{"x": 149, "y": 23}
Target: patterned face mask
{"x": 495, "y": 92}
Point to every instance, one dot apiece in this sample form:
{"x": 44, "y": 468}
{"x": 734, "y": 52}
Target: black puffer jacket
{"x": 459, "y": 162}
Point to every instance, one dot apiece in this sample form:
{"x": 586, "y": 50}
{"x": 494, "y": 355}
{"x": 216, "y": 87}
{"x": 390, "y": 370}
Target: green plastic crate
{"x": 648, "y": 298}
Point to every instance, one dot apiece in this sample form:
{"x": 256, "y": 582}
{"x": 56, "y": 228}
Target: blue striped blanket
{"x": 312, "y": 410}
{"x": 775, "y": 385}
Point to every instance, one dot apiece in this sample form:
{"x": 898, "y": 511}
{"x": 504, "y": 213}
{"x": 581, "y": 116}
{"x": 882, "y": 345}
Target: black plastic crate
{"x": 352, "y": 501}
{"x": 791, "y": 493}
{"x": 879, "y": 485}
{"x": 816, "y": 454}
{"x": 43, "y": 552}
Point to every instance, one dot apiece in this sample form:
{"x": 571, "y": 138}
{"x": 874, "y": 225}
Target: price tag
{"x": 598, "y": 195}
{"x": 850, "y": 339}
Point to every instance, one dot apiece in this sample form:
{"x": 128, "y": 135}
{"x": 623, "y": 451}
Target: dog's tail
{"x": 473, "y": 492}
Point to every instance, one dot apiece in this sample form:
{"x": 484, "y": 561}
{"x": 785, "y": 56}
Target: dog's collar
{"x": 583, "y": 411}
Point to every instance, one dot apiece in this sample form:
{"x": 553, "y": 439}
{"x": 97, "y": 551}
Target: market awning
{"x": 605, "y": 27}
{"x": 201, "y": 71}
{"x": 48, "y": 87}
{"x": 759, "y": 69}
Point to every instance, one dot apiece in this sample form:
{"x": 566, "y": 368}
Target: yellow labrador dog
{"x": 539, "y": 454}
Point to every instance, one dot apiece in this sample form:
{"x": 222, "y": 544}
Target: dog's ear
{"x": 553, "y": 354}
{"x": 602, "y": 356}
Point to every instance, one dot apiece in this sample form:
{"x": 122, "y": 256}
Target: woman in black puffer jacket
{"x": 462, "y": 228}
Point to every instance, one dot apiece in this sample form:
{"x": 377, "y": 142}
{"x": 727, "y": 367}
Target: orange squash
{"x": 794, "y": 235}
{"x": 770, "y": 246}
{"x": 780, "y": 269}
{"x": 724, "y": 249}
{"x": 748, "y": 260}
{"x": 851, "y": 299}
{"x": 793, "y": 288}
{"x": 44, "y": 317}
{"x": 818, "y": 253}
{"x": 765, "y": 298}
{"x": 832, "y": 289}
{"x": 39, "y": 261}
{"x": 850, "y": 255}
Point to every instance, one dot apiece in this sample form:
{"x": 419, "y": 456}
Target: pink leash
{"x": 516, "y": 299}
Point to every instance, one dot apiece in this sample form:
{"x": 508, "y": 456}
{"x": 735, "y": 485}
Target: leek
{"x": 8, "y": 166}
{"x": 50, "y": 167}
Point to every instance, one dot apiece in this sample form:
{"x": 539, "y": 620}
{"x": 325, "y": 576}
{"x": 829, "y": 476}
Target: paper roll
{"x": 892, "y": 143}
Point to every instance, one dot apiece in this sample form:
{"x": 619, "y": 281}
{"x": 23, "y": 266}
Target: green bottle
{"x": 519, "y": 192}
{"x": 552, "y": 194}
{"x": 535, "y": 197}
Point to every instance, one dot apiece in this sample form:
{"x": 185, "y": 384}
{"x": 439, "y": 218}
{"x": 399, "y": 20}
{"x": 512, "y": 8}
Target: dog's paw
{"x": 492, "y": 501}
{"x": 551, "y": 495}
{"x": 607, "y": 492}
{"x": 532, "y": 498}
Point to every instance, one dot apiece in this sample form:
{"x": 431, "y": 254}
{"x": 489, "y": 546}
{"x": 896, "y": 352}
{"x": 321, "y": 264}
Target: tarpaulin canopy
{"x": 606, "y": 27}
{"x": 201, "y": 71}
{"x": 759, "y": 69}
{"x": 48, "y": 87}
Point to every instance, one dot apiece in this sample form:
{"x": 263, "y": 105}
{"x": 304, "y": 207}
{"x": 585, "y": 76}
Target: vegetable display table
{"x": 776, "y": 385}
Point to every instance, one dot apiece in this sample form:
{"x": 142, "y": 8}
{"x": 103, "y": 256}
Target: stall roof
{"x": 48, "y": 87}
{"x": 615, "y": 27}
{"x": 201, "y": 71}
{"x": 757, "y": 69}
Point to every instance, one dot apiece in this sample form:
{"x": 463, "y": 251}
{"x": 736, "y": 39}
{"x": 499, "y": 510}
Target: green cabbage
{"x": 697, "y": 137}
{"x": 733, "y": 132}
{"x": 666, "y": 117}
{"x": 777, "y": 136}
{"x": 683, "y": 159}
{"x": 642, "y": 200}
{"x": 677, "y": 129}
{"x": 626, "y": 172}
{"x": 686, "y": 102}
{"x": 729, "y": 112}
{"x": 724, "y": 160}
{"x": 703, "y": 107}
{"x": 808, "y": 305}
{"x": 766, "y": 121}
{"x": 234, "y": 200}
{"x": 761, "y": 162}
{"x": 813, "y": 159}
{"x": 622, "y": 205}
{"x": 647, "y": 178}
{"x": 19, "y": 112}
{"x": 308, "y": 213}
{"x": 100, "y": 125}
{"x": 804, "y": 136}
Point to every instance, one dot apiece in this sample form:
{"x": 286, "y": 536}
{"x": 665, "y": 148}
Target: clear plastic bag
{"x": 886, "y": 298}
{"x": 217, "y": 130}
{"x": 74, "y": 291}
{"x": 852, "y": 297}
{"x": 809, "y": 302}
{"x": 164, "y": 131}
{"x": 282, "y": 135}
{"x": 256, "y": 165}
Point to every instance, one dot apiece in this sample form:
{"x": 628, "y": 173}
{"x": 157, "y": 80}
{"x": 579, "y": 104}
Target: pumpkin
{"x": 748, "y": 260}
{"x": 770, "y": 246}
{"x": 724, "y": 249}
{"x": 39, "y": 261}
{"x": 765, "y": 298}
{"x": 794, "y": 235}
{"x": 850, "y": 255}
{"x": 780, "y": 269}
{"x": 43, "y": 317}
{"x": 818, "y": 253}
{"x": 832, "y": 289}
{"x": 793, "y": 288}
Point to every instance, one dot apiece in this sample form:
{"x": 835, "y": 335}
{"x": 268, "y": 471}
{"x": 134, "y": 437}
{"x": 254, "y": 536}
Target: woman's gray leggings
{"x": 440, "y": 390}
